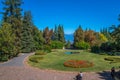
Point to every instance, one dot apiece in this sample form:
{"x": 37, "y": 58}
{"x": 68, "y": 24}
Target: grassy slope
{"x": 55, "y": 60}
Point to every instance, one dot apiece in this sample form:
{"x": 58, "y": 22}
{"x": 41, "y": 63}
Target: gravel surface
{"x": 18, "y": 69}
{"x": 17, "y": 61}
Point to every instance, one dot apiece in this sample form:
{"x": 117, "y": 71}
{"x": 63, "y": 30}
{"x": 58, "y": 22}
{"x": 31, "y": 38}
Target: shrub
{"x": 57, "y": 45}
{"x": 108, "y": 46}
{"x": 4, "y": 58}
{"x": 40, "y": 52}
{"x": 68, "y": 44}
{"x": 112, "y": 59}
{"x": 117, "y": 53}
{"x": 47, "y": 48}
{"x": 78, "y": 64}
{"x": 35, "y": 59}
{"x": 95, "y": 49}
{"x": 82, "y": 45}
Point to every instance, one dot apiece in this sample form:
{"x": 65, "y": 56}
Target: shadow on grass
{"x": 105, "y": 75}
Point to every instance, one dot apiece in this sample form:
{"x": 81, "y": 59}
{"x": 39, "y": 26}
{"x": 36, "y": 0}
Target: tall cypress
{"x": 55, "y": 34}
{"x": 61, "y": 33}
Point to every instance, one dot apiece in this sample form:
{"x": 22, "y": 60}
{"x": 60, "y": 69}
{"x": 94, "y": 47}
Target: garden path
{"x": 18, "y": 69}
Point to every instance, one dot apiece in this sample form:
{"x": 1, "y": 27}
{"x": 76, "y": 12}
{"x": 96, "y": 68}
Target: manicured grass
{"x": 55, "y": 60}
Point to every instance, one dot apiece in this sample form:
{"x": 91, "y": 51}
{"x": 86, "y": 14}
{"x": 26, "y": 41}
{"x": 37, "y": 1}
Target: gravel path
{"x": 17, "y": 69}
{"x": 17, "y": 61}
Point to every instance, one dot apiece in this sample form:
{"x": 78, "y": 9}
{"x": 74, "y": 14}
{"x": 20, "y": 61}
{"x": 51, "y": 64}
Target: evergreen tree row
{"x": 18, "y": 32}
{"x": 58, "y": 34}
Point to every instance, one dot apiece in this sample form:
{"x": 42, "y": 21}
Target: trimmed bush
{"x": 95, "y": 49}
{"x": 4, "y": 58}
{"x": 35, "y": 59}
{"x": 56, "y": 45}
{"x": 47, "y": 48}
{"x": 78, "y": 64}
{"x": 112, "y": 59}
{"x": 82, "y": 45}
{"x": 68, "y": 44}
{"x": 108, "y": 46}
{"x": 40, "y": 53}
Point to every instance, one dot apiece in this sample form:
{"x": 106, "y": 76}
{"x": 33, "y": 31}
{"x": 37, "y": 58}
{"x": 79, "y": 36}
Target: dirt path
{"x": 15, "y": 72}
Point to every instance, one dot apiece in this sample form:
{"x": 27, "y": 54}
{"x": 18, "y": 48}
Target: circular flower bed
{"x": 78, "y": 64}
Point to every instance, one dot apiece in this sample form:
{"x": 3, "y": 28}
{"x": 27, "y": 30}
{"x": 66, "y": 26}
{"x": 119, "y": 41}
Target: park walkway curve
{"x": 18, "y": 69}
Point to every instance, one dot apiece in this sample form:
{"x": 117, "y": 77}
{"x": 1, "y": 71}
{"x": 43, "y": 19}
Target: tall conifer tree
{"x": 27, "y": 44}
{"x": 12, "y": 15}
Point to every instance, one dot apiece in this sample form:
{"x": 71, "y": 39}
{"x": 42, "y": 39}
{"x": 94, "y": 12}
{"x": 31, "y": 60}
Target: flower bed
{"x": 78, "y": 64}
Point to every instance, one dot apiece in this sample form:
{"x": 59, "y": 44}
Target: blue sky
{"x": 94, "y": 14}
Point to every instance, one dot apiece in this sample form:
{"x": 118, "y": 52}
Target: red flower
{"x": 78, "y": 64}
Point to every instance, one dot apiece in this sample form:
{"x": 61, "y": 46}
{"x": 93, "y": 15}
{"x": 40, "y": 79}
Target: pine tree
{"x": 12, "y": 10}
{"x": 38, "y": 38}
{"x": 12, "y": 15}
{"x": 7, "y": 39}
{"x": 27, "y": 44}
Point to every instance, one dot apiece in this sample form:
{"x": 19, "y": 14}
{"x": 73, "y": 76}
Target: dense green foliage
{"x": 108, "y": 46}
{"x": 56, "y": 45}
{"x": 58, "y": 34}
{"x": 27, "y": 43}
{"x": 18, "y": 33}
{"x": 68, "y": 44}
{"x": 37, "y": 38}
{"x": 95, "y": 49}
{"x": 79, "y": 35}
{"x": 55, "y": 34}
{"x": 7, "y": 39}
{"x": 47, "y": 48}
{"x": 61, "y": 33}
{"x": 12, "y": 14}
{"x": 82, "y": 45}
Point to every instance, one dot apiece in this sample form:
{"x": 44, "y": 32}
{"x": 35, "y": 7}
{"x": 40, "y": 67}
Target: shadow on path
{"x": 105, "y": 75}
{"x": 118, "y": 75}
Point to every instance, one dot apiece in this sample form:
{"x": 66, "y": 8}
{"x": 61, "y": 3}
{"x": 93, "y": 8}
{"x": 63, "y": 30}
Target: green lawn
{"x": 55, "y": 60}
